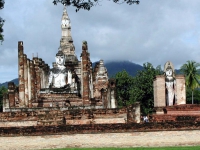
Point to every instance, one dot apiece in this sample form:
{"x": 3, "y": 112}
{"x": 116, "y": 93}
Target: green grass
{"x": 138, "y": 148}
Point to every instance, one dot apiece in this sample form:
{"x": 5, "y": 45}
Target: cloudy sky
{"x": 154, "y": 31}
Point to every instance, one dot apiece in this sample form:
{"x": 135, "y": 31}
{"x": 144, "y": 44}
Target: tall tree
{"x": 124, "y": 83}
{"x": 190, "y": 70}
{"x": 142, "y": 90}
{"x": 196, "y": 96}
{"x": 1, "y": 21}
{"x": 87, "y": 4}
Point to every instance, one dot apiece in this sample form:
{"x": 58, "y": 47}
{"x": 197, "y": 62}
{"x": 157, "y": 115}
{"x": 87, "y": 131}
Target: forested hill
{"x": 16, "y": 81}
{"x": 115, "y": 67}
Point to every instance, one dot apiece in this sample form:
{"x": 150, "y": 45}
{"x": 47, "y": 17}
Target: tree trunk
{"x": 192, "y": 98}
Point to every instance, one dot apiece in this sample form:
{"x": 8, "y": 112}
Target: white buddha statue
{"x": 58, "y": 75}
{"x": 170, "y": 83}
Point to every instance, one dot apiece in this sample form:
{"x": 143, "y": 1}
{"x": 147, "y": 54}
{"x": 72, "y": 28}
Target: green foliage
{"x": 196, "y": 97}
{"x": 1, "y": 21}
{"x": 124, "y": 84}
{"x": 190, "y": 70}
{"x": 139, "y": 88}
{"x": 87, "y": 4}
{"x": 142, "y": 90}
{"x": 2, "y": 91}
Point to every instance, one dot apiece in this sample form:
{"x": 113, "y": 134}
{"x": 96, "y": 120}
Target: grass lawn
{"x": 139, "y": 148}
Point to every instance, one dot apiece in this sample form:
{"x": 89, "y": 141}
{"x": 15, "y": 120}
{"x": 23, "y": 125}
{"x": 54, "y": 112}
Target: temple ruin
{"x": 71, "y": 82}
{"x": 71, "y": 92}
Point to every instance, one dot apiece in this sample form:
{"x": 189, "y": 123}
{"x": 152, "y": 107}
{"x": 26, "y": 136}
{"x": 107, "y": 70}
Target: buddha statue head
{"x": 169, "y": 69}
{"x": 60, "y": 58}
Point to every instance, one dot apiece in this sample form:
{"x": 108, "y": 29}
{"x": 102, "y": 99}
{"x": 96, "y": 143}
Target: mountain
{"x": 16, "y": 81}
{"x": 117, "y": 66}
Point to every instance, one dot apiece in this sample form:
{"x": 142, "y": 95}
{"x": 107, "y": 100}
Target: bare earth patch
{"x": 133, "y": 139}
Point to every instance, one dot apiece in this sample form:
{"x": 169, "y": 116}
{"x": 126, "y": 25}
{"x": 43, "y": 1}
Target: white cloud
{"x": 154, "y": 31}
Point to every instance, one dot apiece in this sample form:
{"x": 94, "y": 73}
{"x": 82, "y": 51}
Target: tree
{"x": 192, "y": 76}
{"x": 87, "y": 4}
{"x": 124, "y": 84}
{"x": 137, "y": 89}
{"x": 1, "y": 21}
{"x": 196, "y": 96}
{"x": 2, "y": 91}
{"x": 142, "y": 90}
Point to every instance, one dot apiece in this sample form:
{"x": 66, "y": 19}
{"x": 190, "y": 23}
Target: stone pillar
{"x": 29, "y": 82}
{"x": 104, "y": 98}
{"x": 11, "y": 94}
{"x": 37, "y": 77}
{"x": 91, "y": 85}
{"x": 21, "y": 73}
{"x": 5, "y": 102}
{"x": 159, "y": 91}
{"x": 85, "y": 74}
{"x": 180, "y": 89}
{"x": 112, "y": 94}
{"x": 137, "y": 112}
{"x": 112, "y": 99}
{"x": 25, "y": 81}
{"x": 41, "y": 74}
{"x": 32, "y": 72}
{"x": 47, "y": 76}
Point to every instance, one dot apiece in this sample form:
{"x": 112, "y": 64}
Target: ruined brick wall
{"x": 159, "y": 91}
{"x": 177, "y": 113}
{"x": 33, "y": 75}
{"x": 86, "y": 71}
{"x": 95, "y": 116}
{"x": 72, "y": 116}
{"x": 180, "y": 89}
{"x": 97, "y": 128}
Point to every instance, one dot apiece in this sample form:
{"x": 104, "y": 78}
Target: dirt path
{"x": 134, "y": 139}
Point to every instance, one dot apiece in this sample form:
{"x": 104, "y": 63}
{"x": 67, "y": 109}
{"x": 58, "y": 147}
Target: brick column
{"x": 21, "y": 73}
{"x": 37, "y": 77}
{"x": 159, "y": 91}
{"x": 180, "y": 89}
{"x": 5, "y": 102}
{"x": 29, "y": 82}
{"x": 32, "y": 72}
{"x": 11, "y": 94}
{"x": 25, "y": 81}
{"x": 85, "y": 75}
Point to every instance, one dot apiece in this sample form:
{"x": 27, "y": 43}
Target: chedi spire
{"x": 66, "y": 42}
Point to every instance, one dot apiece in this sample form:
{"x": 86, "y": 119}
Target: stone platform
{"x": 180, "y": 113}
{"x": 56, "y": 116}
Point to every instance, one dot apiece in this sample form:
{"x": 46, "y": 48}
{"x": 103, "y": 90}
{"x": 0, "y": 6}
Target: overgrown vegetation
{"x": 1, "y": 21}
{"x": 192, "y": 77}
{"x": 88, "y": 4}
{"x": 137, "y": 89}
{"x": 140, "y": 87}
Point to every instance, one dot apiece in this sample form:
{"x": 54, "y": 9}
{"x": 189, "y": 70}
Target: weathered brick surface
{"x": 180, "y": 89}
{"x": 58, "y": 117}
{"x": 159, "y": 91}
{"x": 184, "y": 112}
{"x": 98, "y": 128}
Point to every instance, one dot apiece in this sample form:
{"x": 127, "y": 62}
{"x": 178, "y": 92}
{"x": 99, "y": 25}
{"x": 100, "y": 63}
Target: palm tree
{"x": 192, "y": 76}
